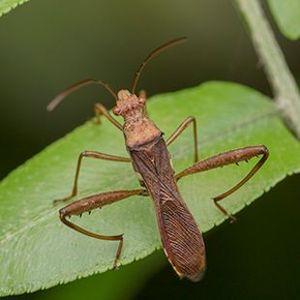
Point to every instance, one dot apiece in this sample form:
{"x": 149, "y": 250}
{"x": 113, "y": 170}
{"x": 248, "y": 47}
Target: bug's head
{"x": 128, "y": 104}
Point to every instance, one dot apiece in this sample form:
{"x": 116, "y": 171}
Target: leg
{"x": 226, "y": 158}
{"x": 180, "y": 129}
{"x": 143, "y": 94}
{"x": 92, "y": 202}
{"x": 101, "y": 110}
{"x": 92, "y": 154}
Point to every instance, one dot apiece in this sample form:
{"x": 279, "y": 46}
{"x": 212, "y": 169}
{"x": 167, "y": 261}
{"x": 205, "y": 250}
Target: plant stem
{"x": 284, "y": 86}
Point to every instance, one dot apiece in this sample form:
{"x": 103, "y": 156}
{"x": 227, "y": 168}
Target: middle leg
{"x": 91, "y": 154}
{"x": 188, "y": 121}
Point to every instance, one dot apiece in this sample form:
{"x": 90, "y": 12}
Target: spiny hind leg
{"x": 97, "y": 201}
{"x": 226, "y": 158}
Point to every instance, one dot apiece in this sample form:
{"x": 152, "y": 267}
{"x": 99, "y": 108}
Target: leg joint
{"x": 63, "y": 214}
{"x": 84, "y": 153}
{"x": 191, "y": 119}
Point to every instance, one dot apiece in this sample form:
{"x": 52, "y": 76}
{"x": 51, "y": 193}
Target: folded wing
{"x": 180, "y": 235}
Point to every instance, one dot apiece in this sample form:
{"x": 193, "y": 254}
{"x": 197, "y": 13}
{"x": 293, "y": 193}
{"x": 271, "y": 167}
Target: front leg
{"x": 226, "y": 158}
{"x": 91, "y": 154}
{"x": 143, "y": 94}
{"x": 187, "y": 122}
{"x": 92, "y": 202}
{"x": 100, "y": 110}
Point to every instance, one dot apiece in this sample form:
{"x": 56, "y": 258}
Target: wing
{"x": 182, "y": 241}
{"x": 180, "y": 235}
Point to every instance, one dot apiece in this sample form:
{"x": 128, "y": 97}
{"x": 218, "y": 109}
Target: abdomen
{"x": 181, "y": 238}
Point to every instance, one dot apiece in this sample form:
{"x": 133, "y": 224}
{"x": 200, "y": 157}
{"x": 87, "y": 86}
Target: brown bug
{"x": 181, "y": 238}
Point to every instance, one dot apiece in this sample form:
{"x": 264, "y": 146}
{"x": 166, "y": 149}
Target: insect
{"x": 181, "y": 238}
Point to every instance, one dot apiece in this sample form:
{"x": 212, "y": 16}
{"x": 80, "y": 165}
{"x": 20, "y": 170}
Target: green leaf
{"x": 287, "y": 16}
{"x": 110, "y": 285}
{"x": 7, "y": 5}
{"x": 37, "y": 251}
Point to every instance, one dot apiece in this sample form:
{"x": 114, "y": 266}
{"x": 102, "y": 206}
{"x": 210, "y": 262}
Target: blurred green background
{"x": 47, "y": 45}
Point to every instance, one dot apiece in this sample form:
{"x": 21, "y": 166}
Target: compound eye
{"x": 142, "y": 100}
{"x": 116, "y": 111}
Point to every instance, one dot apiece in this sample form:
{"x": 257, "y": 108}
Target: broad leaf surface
{"x": 287, "y": 16}
{"x": 7, "y": 5}
{"x": 37, "y": 251}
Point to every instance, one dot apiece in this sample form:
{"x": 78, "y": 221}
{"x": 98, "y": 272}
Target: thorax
{"x": 139, "y": 130}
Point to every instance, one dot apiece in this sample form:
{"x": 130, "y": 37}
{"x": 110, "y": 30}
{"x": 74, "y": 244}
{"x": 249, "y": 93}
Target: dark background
{"x": 47, "y": 45}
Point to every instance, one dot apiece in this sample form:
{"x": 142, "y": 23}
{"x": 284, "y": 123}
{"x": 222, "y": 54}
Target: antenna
{"x": 76, "y": 86}
{"x": 153, "y": 54}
